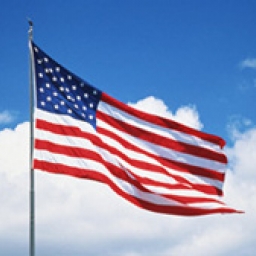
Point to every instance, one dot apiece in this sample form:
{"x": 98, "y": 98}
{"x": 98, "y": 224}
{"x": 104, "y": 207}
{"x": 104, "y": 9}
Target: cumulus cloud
{"x": 248, "y": 63}
{"x": 81, "y": 217}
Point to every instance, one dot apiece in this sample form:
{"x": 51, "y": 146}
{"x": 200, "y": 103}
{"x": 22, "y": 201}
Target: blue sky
{"x": 198, "y": 54}
{"x": 183, "y": 52}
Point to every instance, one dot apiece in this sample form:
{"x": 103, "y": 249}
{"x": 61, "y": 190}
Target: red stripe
{"x": 172, "y": 164}
{"x": 118, "y": 172}
{"x": 207, "y": 189}
{"x": 161, "y": 140}
{"x": 161, "y": 121}
{"x": 190, "y": 200}
{"x": 90, "y": 155}
{"x": 60, "y": 129}
{"x": 76, "y": 132}
{"x": 176, "y": 210}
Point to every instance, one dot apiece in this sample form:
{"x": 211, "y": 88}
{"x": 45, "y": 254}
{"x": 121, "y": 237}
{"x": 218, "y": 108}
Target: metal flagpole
{"x": 32, "y": 190}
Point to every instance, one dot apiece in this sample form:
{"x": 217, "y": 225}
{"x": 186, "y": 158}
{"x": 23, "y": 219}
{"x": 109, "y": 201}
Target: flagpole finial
{"x": 30, "y": 31}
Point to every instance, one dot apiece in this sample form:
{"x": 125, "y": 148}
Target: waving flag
{"x": 152, "y": 162}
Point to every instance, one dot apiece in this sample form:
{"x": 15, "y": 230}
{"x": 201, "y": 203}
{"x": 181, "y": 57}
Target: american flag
{"x": 153, "y": 162}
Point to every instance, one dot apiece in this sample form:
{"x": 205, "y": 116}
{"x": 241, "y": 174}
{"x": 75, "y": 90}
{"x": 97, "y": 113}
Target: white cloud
{"x": 187, "y": 115}
{"x": 14, "y": 145}
{"x": 243, "y": 154}
{"x": 6, "y": 117}
{"x": 237, "y": 125}
{"x": 14, "y": 189}
{"x": 81, "y": 217}
{"x": 248, "y": 63}
{"x": 241, "y": 185}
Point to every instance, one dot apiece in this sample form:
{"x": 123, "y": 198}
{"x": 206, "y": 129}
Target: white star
{"x": 62, "y": 80}
{"x": 40, "y": 75}
{"x": 56, "y": 106}
{"x": 55, "y": 94}
{"x": 70, "y": 98}
{"x": 94, "y": 92}
{"x": 48, "y": 98}
{"x": 91, "y": 117}
{"x": 91, "y": 105}
{"x": 48, "y": 85}
{"x": 62, "y": 103}
{"x": 46, "y": 59}
{"x": 54, "y": 78}
{"x": 35, "y": 48}
{"x": 62, "y": 89}
{"x": 69, "y": 77}
{"x": 78, "y": 97}
{"x": 41, "y": 89}
{"x": 42, "y": 103}
{"x": 57, "y": 69}
{"x": 86, "y": 95}
{"x": 39, "y": 61}
{"x": 69, "y": 111}
{"x": 73, "y": 87}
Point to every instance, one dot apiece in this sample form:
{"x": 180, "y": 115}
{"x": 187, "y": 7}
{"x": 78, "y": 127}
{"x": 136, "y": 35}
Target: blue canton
{"x": 61, "y": 92}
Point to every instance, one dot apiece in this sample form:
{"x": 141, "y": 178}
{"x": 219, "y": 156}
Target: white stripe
{"x": 63, "y": 120}
{"x": 87, "y": 165}
{"x": 87, "y": 144}
{"x": 164, "y": 152}
{"x": 210, "y": 205}
{"x": 165, "y": 132}
{"x": 181, "y": 192}
{"x": 134, "y": 155}
{"x": 83, "y": 143}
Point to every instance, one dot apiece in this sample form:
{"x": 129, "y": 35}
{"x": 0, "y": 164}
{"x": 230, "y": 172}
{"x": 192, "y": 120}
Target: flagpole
{"x": 32, "y": 190}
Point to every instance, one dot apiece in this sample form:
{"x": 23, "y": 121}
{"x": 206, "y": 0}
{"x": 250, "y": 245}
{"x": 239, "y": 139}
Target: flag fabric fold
{"x": 153, "y": 162}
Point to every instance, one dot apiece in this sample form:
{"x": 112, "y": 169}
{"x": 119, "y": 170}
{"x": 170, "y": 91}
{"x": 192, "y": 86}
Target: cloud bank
{"x": 81, "y": 217}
